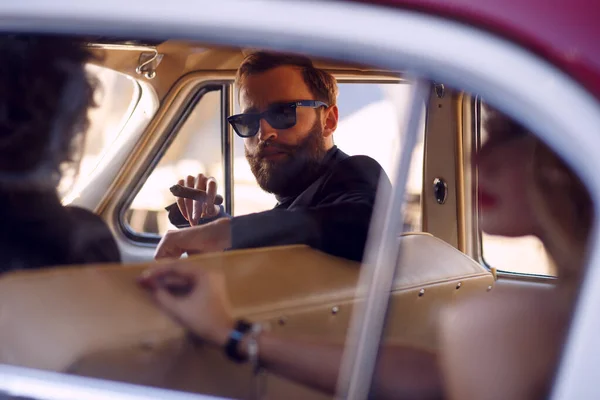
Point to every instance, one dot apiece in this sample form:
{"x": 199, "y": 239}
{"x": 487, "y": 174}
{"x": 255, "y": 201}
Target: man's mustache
{"x": 260, "y": 151}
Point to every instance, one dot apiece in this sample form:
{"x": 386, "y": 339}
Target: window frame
{"x": 468, "y": 57}
{"x": 149, "y": 165}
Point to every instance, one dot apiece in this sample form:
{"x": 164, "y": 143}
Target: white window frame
{"x": 526, "y": 87}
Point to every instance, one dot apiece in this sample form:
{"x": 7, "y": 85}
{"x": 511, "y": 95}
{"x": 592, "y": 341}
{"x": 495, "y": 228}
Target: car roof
{"x": 563, "y": 32}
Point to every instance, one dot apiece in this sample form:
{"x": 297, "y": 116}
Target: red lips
{"x": 486, "y": 200}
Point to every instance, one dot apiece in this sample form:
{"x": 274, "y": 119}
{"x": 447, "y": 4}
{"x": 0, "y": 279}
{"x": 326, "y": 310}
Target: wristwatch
{"x": 232, "y": 350}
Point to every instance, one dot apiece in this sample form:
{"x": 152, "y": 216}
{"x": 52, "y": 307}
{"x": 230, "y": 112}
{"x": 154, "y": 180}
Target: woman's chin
{"x": 496, "y": 225}
{"x": 503, "y": 226}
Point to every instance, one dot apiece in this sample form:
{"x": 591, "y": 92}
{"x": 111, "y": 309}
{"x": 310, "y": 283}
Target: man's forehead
{"x": 284, "y": 83}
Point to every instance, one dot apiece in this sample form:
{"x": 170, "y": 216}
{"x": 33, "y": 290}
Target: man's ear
{"x": 330, "y": 120}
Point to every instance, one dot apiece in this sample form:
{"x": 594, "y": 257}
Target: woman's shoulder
{"x": 504, "y": 343}
{"x": 37, "y": 232}
{"x": 92, "y": 239}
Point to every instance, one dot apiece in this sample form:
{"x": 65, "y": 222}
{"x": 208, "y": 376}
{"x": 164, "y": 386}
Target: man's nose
{"x": 266, "y": 131}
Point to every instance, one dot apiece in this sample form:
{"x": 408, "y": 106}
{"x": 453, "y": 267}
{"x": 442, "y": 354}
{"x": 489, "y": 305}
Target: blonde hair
{"x": 564, "y": 210}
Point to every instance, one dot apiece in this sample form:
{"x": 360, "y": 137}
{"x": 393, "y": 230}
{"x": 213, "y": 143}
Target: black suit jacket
{"x": 332, "y": 214}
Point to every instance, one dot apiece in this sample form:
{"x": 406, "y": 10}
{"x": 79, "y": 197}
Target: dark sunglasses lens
{"x": 245, "y": 125}
{"x": 281, "y": 116}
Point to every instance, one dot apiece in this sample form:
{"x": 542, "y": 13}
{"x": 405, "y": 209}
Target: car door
{"x": 511, "y": 90}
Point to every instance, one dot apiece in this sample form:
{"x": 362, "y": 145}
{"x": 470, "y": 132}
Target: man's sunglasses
{"x": 278, "y": 115}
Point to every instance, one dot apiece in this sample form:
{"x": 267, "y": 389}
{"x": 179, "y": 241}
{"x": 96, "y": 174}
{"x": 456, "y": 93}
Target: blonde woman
{"x": 507, "y": 346}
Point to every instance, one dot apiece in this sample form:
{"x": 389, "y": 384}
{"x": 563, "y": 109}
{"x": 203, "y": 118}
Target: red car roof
{"x": 565, "y": 32}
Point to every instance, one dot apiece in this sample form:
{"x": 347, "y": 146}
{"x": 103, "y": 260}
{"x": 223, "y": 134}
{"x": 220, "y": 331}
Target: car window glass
{"x": 525, "y": 255}
{"x": 195, "y": 149}
{"x": 115, "y": 97}
{"x": 369, "y": 114}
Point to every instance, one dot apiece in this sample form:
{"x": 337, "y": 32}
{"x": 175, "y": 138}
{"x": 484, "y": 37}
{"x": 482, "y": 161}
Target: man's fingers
{"x": 189, "y": 203}
{"x": 201, "y": 182}
{"x": 211, "y": 193}
{"x": 181, "y": 202}
{"x": 168, "y": 248}
{"x": 199, "y": 205}
{"x": 165, "y": 252}
{"x": 193, "y": 210}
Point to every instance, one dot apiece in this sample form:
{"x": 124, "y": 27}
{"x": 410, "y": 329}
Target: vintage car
{"x": 413, "y": 75}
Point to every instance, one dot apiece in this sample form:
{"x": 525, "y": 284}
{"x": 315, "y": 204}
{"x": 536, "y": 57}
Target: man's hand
{"x": 193, "y": 210}
{"x": 195, "y": 297}
{"x": 211, "y": 237}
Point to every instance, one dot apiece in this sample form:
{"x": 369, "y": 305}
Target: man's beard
{"x": 290, "y": 176}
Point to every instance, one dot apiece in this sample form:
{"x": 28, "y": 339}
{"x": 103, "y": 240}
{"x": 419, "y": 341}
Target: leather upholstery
{"x": 96, "y": 321}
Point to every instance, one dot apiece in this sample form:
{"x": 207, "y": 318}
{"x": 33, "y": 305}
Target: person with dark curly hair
{"x": 45, "y": 94}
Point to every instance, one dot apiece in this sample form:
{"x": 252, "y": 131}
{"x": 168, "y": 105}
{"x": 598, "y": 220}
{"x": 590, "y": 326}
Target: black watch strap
{"x": 237, "y": 334}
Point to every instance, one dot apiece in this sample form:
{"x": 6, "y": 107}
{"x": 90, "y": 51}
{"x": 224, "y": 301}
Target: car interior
{"x": 161, "y": 116}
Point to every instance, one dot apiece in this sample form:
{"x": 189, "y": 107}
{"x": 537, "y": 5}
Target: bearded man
{"x": 325, "y": 197}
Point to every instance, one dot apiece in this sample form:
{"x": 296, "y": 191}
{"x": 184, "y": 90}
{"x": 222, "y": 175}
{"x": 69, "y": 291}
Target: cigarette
{"x": 193, "y": 194}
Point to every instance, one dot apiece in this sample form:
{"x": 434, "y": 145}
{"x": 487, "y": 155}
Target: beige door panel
{"x": 442, "y": 161}
{"x": 96, "y": 321}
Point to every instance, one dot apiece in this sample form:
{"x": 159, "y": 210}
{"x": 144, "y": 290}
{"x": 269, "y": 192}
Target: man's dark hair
{"x": 321, "y": 83}
{"x": 44, "y": 97}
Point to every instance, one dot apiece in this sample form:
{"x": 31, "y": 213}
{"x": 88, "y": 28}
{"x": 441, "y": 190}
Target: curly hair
{"x": 44, "y": 97}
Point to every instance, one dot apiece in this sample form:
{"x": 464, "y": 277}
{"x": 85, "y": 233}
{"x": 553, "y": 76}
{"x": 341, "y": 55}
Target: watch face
{"x": 237, "y": 334}
{"x": 242, "y": 326}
